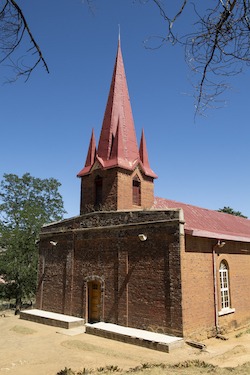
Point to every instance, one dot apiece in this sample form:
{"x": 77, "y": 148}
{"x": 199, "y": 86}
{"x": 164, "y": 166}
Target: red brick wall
{"x": 164, "y": 284}
{"x": 140, "y": 280}
{"x": 239, "y": 284}
{"x": 198, "y": 286}
{"x": 51, "y": 284}
{"x": 109, "y": 189}
{"x": 125, "y": 191}
{"x": 117, "y": 189}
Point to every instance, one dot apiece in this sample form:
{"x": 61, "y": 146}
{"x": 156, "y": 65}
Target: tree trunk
{"x": 18, "y": 305}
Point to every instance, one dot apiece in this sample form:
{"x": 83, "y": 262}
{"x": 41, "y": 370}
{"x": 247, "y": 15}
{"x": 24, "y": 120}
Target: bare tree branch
{"x": 13, "y": 26}
{"x": 218, "y": 29}
{"x": 12, "y": 29}
{"x": 218, "y": 47}
{"x": 178, "y": 14}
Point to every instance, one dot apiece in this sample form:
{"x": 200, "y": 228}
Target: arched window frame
{"x": 224, "y": 285}
{"x": 225, "y": 294}
{"x": 136, "y": 192}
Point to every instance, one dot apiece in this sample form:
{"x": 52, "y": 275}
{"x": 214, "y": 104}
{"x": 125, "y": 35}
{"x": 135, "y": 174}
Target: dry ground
{"x": 32, "y": 348}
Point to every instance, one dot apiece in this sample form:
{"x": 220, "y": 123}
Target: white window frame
{"x": 224, "y": 289}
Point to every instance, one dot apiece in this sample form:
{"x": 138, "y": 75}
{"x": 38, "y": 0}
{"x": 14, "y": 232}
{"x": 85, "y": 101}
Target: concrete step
{"x": 51, "y": 318}
{"x": 147, "y": 339}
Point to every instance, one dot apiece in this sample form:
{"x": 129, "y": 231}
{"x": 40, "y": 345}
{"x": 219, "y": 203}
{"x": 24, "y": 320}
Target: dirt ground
{"x": 32, "y": 348}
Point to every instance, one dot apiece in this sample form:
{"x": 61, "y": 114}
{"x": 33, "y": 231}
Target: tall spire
{"x": 117, "y": 144}
{"x": 118, "y": 109}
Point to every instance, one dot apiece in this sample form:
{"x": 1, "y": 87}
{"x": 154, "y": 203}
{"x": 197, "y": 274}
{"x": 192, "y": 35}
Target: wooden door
{"x": 94, "y": 301}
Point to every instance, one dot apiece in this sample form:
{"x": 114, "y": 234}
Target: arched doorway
{"x": 94, "y": 301}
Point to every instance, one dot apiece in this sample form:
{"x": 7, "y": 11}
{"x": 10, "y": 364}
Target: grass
{"x": 195, "y": 367}
{"x": 107, "y": 369}
{"x": 23, "y": 330}
{"x": 145, "y": 367}
{"x": 242, "y": 333}
{"x": 239, "y": 335}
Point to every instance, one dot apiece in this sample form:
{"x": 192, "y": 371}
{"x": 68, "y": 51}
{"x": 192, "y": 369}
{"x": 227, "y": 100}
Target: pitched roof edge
{"x": 203, "y": 222}
{"x": 221, "y": 236}
{"x": 84, "y": 171}
{"x": 148, "y": 172}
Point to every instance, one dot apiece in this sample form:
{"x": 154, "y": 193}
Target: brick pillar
{"x": 175, "y": 288}
{"x": 69, "y": 277}
{"x": 122, "y": 283}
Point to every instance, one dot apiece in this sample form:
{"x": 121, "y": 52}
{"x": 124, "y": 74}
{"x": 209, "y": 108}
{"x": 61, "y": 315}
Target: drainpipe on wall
{"x": 219, "y": 244}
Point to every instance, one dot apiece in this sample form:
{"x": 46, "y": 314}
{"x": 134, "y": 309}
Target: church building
{"x": 137, "y": 260}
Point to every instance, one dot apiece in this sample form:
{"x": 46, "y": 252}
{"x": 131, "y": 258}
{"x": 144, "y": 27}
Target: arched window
{"x": 224, "y": 285}
{"x": 98, "y": 191}
{"x": 136, "y": 191}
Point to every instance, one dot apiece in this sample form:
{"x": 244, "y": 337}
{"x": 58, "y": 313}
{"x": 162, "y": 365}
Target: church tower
{"x": 117, "y": 175}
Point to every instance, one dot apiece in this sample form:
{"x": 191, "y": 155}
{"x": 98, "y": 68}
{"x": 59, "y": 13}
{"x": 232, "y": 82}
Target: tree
{"x": 13, "y": 27}
{"x": 218, "y": 47}
{"x": 27, "y": 204}
{"x": 229, "y": 210}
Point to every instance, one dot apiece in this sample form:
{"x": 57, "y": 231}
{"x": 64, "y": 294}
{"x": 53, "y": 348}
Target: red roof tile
{"x": 208, "y": 223}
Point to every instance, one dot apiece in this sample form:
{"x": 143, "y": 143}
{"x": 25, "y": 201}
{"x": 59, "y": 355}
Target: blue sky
{"x": 46, "y": 122}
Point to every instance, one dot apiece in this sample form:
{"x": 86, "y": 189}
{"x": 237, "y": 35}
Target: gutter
{"x": 225, "y": 236}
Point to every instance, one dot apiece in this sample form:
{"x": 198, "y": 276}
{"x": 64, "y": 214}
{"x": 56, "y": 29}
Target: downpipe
{"x": 215, "y": 292}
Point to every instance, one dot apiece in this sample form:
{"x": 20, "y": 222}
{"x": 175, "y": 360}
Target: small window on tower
{"x": 98, "y": 191}
{"x": 136, "y": 191}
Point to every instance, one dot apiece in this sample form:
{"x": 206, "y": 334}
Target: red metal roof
{"x": 144, "y": 157}
{"x": 118, "y": 144}
{"x": 118, "y": 110}
{"x": 202, "y": 222}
